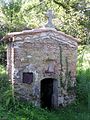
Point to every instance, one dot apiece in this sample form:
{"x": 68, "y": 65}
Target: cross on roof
{"x": 50, "y": 16}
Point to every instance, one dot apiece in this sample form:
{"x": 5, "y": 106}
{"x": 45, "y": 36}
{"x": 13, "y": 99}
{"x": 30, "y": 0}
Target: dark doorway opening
{"x": 48, "y": 90}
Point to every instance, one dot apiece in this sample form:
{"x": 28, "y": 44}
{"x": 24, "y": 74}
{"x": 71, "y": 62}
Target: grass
{"x": 19, "y": 110}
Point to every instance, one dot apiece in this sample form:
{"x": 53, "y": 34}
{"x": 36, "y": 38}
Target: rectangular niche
{"x": 28, "y": 77}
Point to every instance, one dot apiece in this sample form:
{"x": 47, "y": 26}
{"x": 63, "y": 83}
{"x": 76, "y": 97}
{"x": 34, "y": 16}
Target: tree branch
{"x": 60, "y": 4}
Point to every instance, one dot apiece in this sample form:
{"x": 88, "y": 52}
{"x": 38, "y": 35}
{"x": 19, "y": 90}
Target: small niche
{"x": 28, "y": 77}
{"x": 50, "y": 66}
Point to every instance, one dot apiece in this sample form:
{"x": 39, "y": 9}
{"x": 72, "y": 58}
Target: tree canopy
{"x": 71, "y": 16}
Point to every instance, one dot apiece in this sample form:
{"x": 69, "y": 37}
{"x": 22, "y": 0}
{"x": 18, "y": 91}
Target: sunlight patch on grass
{"x": 2, "y": 70}
{"x": 84, "y": 58}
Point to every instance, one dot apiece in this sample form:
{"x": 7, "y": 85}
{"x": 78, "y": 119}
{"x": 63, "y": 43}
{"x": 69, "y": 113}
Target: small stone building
{"x": 42, "y": 66}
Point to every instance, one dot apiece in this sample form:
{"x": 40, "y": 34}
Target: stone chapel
{"x": 41, "y": 64}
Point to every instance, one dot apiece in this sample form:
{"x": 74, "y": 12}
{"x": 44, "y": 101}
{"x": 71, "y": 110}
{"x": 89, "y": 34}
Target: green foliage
{"x": 83, "y": 79}
{"x": 11, "y": 15}
{"x": 83, "y": 73}
{"x": 4, "y": 86}
{"x": 3, "y": 53}
{"x": 71, "y": 16}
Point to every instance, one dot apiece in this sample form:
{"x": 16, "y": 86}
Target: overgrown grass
{"x": 19, "y": 110}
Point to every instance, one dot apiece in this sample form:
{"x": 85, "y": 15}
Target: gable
{"x": 42, "y": 34}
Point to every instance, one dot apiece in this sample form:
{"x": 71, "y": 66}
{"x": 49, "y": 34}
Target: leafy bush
{"x": 83, "y": 74}
{"x": 2, "y": 53}
{"x": 83, "y": 79}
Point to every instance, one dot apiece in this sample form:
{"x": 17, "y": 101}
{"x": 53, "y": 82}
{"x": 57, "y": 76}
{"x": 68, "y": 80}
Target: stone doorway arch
{"x": 49, "y": 93}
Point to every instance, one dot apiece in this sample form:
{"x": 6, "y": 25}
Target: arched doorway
{"x": 49, "y": 93}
